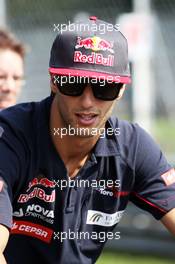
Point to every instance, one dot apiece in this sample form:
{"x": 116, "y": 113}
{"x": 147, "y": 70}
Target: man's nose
{"x": 87, "y": 98}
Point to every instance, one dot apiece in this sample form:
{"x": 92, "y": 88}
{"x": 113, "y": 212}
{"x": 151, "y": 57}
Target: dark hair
{"x": 9, "y": 41}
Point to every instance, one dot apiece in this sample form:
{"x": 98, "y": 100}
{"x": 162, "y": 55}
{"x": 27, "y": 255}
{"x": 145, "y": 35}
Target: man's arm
{"x": 4, "y": 235}
{"x": 5, "y": 218}
{"x": 169, "y": 221}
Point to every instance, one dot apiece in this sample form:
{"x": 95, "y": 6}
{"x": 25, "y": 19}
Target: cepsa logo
{"x": 38, "y": 192}
{"x": 34, "y": 230}
{"x": 95, "y": 44}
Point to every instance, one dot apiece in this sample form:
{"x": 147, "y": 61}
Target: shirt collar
{"x": 107, "y": 145}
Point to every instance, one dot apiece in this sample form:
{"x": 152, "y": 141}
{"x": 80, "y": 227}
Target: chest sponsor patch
{"x": 38, "y": 193}
{"x": 45, "y": 214}
{"x": 103, "y": 219}
{"x": 34, "y": 230}
{"x": 169, "y": 177}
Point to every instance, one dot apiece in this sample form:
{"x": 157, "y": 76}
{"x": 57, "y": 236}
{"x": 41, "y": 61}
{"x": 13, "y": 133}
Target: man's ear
{"x": 53, "y": 86}
{"x": 121, "y": 92}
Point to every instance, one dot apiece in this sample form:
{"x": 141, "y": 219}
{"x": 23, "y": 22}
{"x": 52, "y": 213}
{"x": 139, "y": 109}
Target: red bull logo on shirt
{"x": 37, "y": 191}
{"x": 43, "y": 182}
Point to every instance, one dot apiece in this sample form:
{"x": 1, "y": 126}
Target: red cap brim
{"x": 91, "y": 74}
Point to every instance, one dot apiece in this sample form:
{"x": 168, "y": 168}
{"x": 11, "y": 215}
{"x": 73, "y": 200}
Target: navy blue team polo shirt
{"x": 65, "y": 224}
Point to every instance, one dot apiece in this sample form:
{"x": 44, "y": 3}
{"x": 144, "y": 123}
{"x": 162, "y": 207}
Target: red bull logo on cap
{"x": 94, "y": 58}
{"x": 95, "y": 44}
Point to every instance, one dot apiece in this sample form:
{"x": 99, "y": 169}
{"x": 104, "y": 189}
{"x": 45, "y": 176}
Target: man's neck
{"x": 73, "y": 150}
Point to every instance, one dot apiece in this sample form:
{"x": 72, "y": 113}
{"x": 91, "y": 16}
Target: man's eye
{"x": 2, "y": 77}
{"x": 17, "y": 78}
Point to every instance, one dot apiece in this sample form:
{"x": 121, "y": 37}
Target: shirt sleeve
{"x": 154, "y": 188}
{"x": 5, "y": 205}
{"x": 11, "y": 158}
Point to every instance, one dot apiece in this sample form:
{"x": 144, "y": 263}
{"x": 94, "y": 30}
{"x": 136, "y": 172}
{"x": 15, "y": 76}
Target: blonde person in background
{"x": 12, "y": 53}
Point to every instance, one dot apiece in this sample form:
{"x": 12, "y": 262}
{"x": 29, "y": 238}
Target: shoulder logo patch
{"x": 169, "y": 177}
{"x": 103, "y": 219}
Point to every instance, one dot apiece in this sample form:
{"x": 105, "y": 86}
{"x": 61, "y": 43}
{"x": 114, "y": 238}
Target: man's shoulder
{"x": 22, "y": 114}
{"x": 126, "y": 129}
{"x": 24, "y": 119}
{"x": 132, "y": 139}
{"x": 130, "y": 136}
{"x": 17, "y": 111}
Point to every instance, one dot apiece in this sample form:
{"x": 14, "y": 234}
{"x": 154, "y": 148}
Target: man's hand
{"x": 4, "y": 235}
{"x": 169, "y": 221}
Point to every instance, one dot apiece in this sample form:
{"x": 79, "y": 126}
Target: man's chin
{"x": 6, "y": 103}
{"x": 87, "y": 132}
{"x": 84, "y": 136}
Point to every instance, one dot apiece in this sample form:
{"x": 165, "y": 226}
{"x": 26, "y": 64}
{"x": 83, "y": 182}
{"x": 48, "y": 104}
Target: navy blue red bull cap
{"x": 84, "y": 49}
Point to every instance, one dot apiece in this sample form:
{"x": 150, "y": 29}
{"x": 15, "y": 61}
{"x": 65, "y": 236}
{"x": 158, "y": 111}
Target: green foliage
{"x": 164, "y": 133}
{"x": 113, "y": 258}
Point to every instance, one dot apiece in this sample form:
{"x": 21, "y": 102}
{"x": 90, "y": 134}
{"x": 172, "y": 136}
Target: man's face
{"x": 84, "y": 111}
{"x": 11, "y": 74}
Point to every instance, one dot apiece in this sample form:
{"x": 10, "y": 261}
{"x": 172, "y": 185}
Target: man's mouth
{"x": 86, "y": 119}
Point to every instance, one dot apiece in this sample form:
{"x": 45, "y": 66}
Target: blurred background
{"x": 149, "y": 26}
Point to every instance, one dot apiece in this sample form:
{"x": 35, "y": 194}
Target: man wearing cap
{"x": 67, "y": 169}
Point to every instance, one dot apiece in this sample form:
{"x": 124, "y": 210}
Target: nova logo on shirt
{"x": 39, "y": 209}
{"x": 36, "y": 211}
{"x": 34, "y": 208}
{"x": 103, "y": 219}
